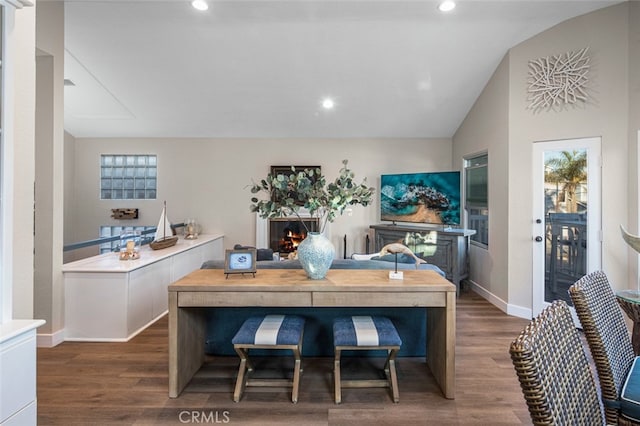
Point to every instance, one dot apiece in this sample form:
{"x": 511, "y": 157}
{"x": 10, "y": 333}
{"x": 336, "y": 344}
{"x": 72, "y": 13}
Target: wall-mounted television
{"x": 429, "y": 198}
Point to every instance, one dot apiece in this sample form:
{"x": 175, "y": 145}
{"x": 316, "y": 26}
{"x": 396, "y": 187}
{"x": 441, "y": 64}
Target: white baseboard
{"x": 116, "y": 339}
{"x": 513, "y": 310}
{"x": 50, "y": 340}
{"x": 520, "y": 312}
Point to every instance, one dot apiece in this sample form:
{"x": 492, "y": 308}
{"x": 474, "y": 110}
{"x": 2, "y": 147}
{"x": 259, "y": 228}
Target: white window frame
{"x": 467, "y": 208}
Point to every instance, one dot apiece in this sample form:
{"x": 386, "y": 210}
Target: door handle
{"x": 538, "y": 238}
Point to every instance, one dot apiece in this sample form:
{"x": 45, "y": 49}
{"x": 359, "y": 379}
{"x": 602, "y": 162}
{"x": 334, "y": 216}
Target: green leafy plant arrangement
{"x": 308, "y": 189}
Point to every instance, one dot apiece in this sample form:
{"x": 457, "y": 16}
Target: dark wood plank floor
{"x": 126, "y": 384}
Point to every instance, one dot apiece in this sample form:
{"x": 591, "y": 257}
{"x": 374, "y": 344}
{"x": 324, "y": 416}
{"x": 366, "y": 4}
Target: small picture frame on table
{"x": 242, "y": 261}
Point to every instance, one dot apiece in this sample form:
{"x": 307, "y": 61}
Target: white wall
{"x": 605, "y": 32}
{"x": 208, "y": 179}
{"x": 19, "y": 175}
{"x": 486, "y": 128}
{"x": 49, "y": 158}
{"x": 634, "y": 134}
{"x": 69, "y": 182}
{"x": 606, "y": 115}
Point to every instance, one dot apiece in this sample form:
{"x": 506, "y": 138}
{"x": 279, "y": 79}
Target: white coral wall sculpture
{"x": 558, "y": 80}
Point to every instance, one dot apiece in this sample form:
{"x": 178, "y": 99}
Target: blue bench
{"x": 272, "y": 332}
{"x": 357, "y": 333}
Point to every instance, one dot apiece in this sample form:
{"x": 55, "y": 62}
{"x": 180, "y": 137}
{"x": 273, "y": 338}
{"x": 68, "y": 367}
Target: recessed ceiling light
{"x": 328, "y": 103}
{"x": 200, "y": 4}
{"x": 447, "y": 6}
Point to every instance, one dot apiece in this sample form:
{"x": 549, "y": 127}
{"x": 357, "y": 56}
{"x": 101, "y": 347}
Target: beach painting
{"x": 430, "y": 198}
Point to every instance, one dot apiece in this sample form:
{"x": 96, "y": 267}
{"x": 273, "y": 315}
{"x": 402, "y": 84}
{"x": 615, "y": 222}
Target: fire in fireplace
{"x": 285, "y": 234}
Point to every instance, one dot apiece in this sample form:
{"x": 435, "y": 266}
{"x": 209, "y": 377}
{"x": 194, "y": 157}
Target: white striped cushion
{"x": 366, "y": 332}
{"x": 267, "y": 333}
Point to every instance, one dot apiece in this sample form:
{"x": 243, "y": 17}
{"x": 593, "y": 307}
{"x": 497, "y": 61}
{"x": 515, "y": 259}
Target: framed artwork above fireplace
{"x": 286, "y": 170}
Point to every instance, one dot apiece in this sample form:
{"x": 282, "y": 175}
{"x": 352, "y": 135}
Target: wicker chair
{"x": 554, "y": 372}
{"x": 608, "y": 338}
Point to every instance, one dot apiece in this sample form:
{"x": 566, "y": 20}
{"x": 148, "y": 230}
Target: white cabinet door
{"x": 18, "y": 385}
{"x": 147, "y": 294}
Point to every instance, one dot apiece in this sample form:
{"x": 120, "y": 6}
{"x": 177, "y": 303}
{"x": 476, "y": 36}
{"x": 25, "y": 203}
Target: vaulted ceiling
{"x": 262, "y": 68}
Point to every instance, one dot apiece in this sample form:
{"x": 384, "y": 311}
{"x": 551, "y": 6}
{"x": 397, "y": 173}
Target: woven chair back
{"x": 606, "y": 333}
{"x": 553, "y": 370}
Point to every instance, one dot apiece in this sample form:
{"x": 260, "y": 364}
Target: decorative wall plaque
{"x": 124, "y": 213}
{"x": 555, "y": 81}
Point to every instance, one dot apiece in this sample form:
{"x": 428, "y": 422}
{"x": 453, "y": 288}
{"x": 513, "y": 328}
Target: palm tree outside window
{"x": 568, "y": 171}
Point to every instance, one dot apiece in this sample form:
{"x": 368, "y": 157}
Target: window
{"x": 128, "y": 177}
{"x": 114, "y": 231}
{"x": 476, "y": 198}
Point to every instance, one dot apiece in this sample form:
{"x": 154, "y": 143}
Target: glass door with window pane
{"x": 566, "y": 216}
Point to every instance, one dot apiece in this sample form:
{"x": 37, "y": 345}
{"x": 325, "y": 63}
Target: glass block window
{"x": 116, "y": 231}
{"x": 128, "y": 177}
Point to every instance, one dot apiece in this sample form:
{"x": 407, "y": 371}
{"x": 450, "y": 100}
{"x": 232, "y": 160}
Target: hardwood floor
{"x": 126, "y": 384}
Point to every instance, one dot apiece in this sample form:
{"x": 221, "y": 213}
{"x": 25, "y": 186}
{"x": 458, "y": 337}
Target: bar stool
{"x": 268, "y": 332}
{"x": 366, "y": 333}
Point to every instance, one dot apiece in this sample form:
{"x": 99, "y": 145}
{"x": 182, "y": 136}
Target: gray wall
{"x": 486, "y": 128}
{"x": 208, "y": 179}
{"x": 606, "y": 115}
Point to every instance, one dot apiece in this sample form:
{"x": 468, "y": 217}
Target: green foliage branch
{"x": 287, "y": 194}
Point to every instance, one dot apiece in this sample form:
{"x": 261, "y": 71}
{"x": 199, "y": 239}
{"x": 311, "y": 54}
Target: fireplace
{"x": 286, "y": 233}
{"x": 266, "y": 234}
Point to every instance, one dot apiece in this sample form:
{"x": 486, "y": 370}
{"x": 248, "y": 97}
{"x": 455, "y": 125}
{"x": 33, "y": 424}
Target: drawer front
{"x": 188, "y": 299}
{"x": 384, "y": 299}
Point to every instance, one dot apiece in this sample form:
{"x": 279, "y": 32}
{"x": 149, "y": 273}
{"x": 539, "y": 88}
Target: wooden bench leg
{"x": 390, "y": 368}
{"x": 246, "y": 368}
{"x": 297, "y": 369}
{"x": 336, "y": 377}
{"x": 243, "y": 370}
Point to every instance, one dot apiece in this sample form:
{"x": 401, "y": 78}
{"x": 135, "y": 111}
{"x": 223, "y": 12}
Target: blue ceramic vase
{"x": 316, "y": 253}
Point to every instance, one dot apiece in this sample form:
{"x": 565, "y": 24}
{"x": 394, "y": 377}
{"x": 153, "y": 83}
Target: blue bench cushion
{"x": 365, "y": 331}
{"x": 630, "y": 398}
{"x": 270, "y": 330}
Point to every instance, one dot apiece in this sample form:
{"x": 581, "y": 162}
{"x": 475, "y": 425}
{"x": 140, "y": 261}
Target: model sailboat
{"x": 164, "y": 234}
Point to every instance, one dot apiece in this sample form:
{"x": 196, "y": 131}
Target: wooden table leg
{"x": 187, "y": 330}
{"x": 441, "y": 345}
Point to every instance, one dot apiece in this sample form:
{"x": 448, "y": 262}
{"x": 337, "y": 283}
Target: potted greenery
{"x": 288, "y": 194}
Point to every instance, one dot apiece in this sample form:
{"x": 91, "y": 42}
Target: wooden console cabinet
{"x": 447, "y": 249}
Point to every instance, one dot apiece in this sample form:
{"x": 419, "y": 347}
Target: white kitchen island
{"x": 108, "y": 299}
